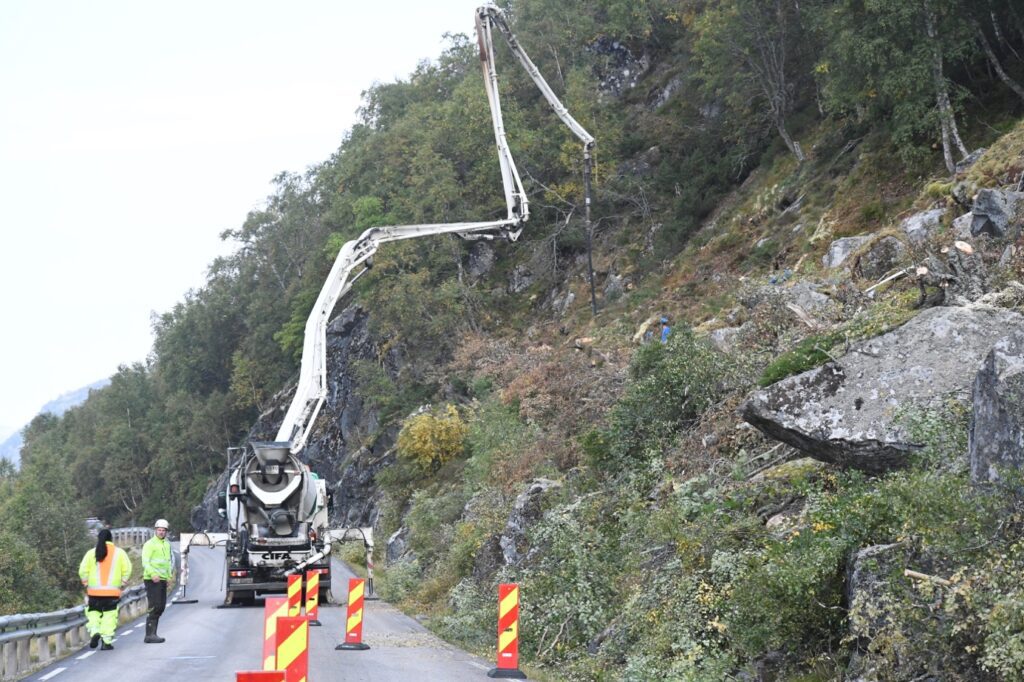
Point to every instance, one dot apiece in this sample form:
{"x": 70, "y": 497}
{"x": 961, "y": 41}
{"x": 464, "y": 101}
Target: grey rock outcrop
{"x": 481, "y": 259}
{"x": 882, "y": 257}
{"x": 840, "y": 250}
{"x": 527, "y": 511}
{"x": 997, "y": 213}
{"x": 920, "y": 225}
{"x": 520, "y": 279}
{"x": 804, "y": 294}
{"x": 843, "y": 412}
{"x": 662, "y": 95}
{"x": 871, "y": 574}
{"x": 398, "y": 547}
{"x": 614, "y": 287}
{"x": 996, "y": 436}
{"x": 621, "y": 69}
{"x": 724, "y": 339}
{"x": 962, "y": 226}
{"x": 561, "y": 304}
{"x": 969, "y": 160}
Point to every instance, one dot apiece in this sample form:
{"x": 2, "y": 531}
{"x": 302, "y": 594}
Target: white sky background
{"x": 133, "y": 133}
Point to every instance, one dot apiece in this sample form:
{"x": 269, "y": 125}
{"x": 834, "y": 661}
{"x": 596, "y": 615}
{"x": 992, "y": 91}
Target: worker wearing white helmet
{"x": 156, "y": 571}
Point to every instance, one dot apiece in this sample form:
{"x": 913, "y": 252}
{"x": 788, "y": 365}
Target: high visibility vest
{"x": 104, "y": 578}
{"x": 156, "y": 559}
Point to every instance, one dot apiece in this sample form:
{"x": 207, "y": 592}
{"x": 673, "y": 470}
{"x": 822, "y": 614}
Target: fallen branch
{"x": 924, "y": 576}
{"x": 896, "y": 275}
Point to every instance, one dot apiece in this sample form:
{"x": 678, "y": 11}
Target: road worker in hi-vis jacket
{"x": 156, "y": 571}
{"x": 104, "y": 571}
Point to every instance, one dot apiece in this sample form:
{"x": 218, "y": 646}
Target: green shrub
{"x": 431, "y": 520}
{"x": 673, "y": 384}
{"x": 495, "y": 433}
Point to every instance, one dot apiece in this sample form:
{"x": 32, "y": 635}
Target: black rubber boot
{"x": 95, "y": 641}
{"x": 151, "y": 637}
{"x": 106, "y": 647}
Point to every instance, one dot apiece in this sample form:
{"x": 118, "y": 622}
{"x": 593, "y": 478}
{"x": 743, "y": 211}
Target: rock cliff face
{"x": 996, "y": 438}
{"x": 846, "y": 412}
{"x": 345, "y": 447}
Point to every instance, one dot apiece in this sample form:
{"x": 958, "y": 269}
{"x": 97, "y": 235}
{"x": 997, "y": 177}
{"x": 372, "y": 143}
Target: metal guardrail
{"x": 28, "y": 639}
{"x": 131, "y": 537}
{"x": 31, "y": 639}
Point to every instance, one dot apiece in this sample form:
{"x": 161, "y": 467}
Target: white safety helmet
{"x": 161, "y": 523}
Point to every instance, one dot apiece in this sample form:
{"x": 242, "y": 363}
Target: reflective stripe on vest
{"x": 104, "y": 569}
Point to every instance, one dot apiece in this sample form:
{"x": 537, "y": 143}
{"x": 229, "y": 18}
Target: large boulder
{"x": 882, "y": 257}
{"x": 841, "y": 249}
{"x": 920, "y": 225}
{"x": 997, "y": 213}
{"x": 844, "y": 412}
{"x": 996, "y": 437}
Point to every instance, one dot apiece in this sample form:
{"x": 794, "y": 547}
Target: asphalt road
{"x": 209, "y": 643}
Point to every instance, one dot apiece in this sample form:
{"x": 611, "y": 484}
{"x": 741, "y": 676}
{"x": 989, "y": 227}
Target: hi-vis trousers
{"x": 101, "y": 617}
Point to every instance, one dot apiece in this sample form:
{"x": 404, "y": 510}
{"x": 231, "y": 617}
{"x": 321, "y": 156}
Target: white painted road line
{"x": 87, "y": 654}
{"x": 56, "y": 672}
{"x": 477, "y": 665}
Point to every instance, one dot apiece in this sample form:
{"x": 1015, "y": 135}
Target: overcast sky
{"x": 132, "y": 134}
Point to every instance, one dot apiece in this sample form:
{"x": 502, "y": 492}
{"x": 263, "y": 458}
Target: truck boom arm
{"x": 312, "y": 386}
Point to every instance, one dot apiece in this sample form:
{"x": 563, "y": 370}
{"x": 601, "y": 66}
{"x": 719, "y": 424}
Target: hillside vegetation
{"x": 736, "y": 139}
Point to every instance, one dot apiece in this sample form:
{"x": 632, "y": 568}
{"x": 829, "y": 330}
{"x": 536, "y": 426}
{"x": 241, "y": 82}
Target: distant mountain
{"x": 11, "y": 448}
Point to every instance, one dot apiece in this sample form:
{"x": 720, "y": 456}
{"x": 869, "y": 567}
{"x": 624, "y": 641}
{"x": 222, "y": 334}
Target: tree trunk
{"x": 994, "y": 60}
{"x": 1000, "y": 37}
{"x": 791, "y": 144}
{"x": 947, "y": 118}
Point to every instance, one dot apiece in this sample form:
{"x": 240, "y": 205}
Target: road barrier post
{"x": 293, "y": 648}
{"x": 313, "y": 596}
{"x": 354, "y": 622}
{"x": 294, "y": 595}
{"x": 508, "y": 633}
{"x": 273, "y": 609}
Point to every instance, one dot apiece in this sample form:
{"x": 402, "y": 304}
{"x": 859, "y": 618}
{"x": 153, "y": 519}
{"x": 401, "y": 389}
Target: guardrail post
{"x": 43, "y": 648}
{"x": 23, "y": 658}
{"x": 10, "y": 661}
{"x": 77, "y": 635}
{"x": 60, "y": 645}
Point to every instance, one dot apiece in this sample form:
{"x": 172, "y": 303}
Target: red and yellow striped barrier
{"x": 293, "y": 648}
{"x": 273, "y": 608}
{"x": 260, "y": 676}
{"x": 354, "y": 623}
{"x": 294, "y": 595}
{"x": 508, "y": 633}
{"x": 313, "y": 596}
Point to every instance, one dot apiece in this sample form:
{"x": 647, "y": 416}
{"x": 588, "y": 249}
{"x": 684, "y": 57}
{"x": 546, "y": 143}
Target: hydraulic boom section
{"x": 312, "y": 386}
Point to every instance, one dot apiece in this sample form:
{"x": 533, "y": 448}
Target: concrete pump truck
{"x": 275, "y": 506}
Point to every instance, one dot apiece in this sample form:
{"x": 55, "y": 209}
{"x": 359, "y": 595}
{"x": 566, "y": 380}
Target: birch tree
{"x": 748, "y": 53}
